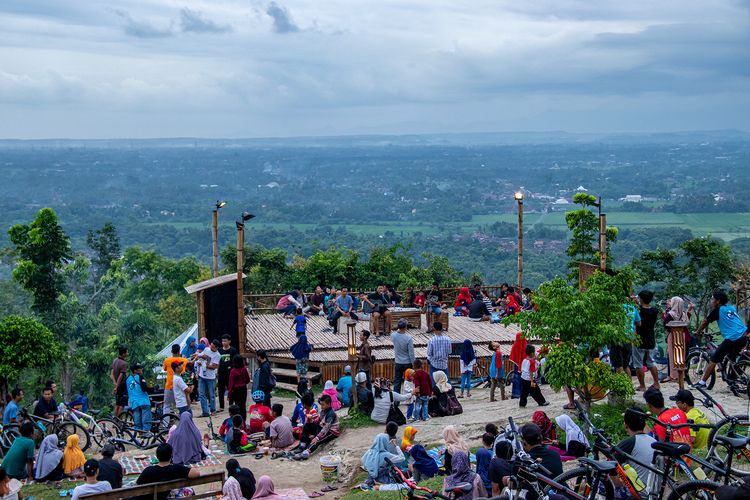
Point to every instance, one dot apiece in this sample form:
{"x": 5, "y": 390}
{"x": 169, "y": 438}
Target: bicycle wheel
{"x": 701, "y": 490}
{"x": 695, "y": 366}
{"x": 66, "y": 429}
{"x": 106, "y": 428}
{"x": 164, "y": 422}
{"x": 9, "y": 434}
{"x": 725, "y": 427}
{"x": 581, "y": 481}
{"x": 741, "y": 378}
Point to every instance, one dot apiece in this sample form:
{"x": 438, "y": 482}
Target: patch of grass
{"x": 356, "y": 420}
{"x": 435, "y": 483}
{"x": 40, "y": 490}
{"x": 610, "y": 419}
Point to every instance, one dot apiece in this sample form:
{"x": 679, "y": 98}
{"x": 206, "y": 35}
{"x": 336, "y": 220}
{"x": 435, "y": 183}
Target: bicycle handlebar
{"x": 411, "y": 484}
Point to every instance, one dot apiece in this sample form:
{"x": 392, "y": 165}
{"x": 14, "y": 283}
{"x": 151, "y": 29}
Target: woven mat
{"x": 132, "y": 465}
{"x": 292, "y": 493}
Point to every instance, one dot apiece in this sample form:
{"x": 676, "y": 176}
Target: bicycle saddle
{"x": 462, "y": 488}
{"x": 734, "y": 442}
{"x": 599, "y": 465}
{"x": 672, "y": 450}
{"x": 95, "y": 412}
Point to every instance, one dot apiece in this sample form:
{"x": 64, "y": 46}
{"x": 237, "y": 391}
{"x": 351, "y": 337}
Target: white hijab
{"x": 572, "y": 431}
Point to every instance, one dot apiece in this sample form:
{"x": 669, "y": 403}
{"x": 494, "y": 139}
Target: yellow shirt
{"x": 700, "y": 436}
{"x": 170, "y": 372}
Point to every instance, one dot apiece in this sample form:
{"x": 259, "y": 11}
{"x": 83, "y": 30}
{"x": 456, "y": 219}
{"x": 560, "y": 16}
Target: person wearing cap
{"x": 92, "y": 484}
{"x": 673, "y": 416}
{"x": 403, "y": 349}
{"x": 686, "y": 402}
{"x": 365, "y": 399}
{"x": 344, "y": 387}
{"x": 110, "y": 469}
{"x": 531, "y": 437}
{"x": 138, "y": 400}
{"x": 181, "y": 389}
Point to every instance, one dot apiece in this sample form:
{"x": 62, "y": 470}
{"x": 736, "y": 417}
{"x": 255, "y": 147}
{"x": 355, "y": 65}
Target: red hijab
{"x": 463, "y": 297}
{"x": 512, "y": 302}
{"x": 518, "y": 351}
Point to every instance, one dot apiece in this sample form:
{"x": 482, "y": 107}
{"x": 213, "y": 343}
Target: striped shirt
{"x": 438, "y": 349}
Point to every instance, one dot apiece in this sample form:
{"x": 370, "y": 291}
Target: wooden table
{"x": 411, "y": 314}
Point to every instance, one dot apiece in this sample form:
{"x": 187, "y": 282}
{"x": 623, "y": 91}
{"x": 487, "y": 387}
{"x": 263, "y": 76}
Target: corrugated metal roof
{"x": 275, "y": 334}
{"x": 219, "y": 280}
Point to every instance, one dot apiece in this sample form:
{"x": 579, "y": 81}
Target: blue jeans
{"x": 421, "y": 408}
{"x": 142, "y": 418}
{"x": 409, "y": 410}
{"x": 437, "y": 310}
{"x": 288, "y": 310}
{"x": 206, "y": 394}
{"x": 465, "y": 382}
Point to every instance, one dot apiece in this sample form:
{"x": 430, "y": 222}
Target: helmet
{"x": 258, "y": 396}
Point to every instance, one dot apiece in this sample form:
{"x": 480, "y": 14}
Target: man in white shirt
{"x": 91, "y": 469}
{"x": 180, "y": 389}
{"x": 207, "y": 378}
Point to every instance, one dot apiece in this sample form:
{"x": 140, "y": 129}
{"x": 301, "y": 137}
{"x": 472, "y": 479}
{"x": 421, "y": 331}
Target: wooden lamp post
{"x": 519, "y": 198}
{"x": 240, "y": 280}
{"x": 351, "y": 350}
{"x": 215, "y": 235}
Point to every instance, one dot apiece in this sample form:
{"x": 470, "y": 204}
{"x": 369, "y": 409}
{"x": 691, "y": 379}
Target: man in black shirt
{"x": 434, "y": 305}
{"x": 365, "y": 399}
{"x": 110, "y": 470}
{"x": 227, "y": 353}
{"x": 46, "y": 405}
{"x": 531, "y": 436}
{"x": 379, "y": 301}
{"x": 500, "y": 467}
{"x": 478, "y": 310}
{"x": 643, "y": 354}
{"x": 164, "y": 471}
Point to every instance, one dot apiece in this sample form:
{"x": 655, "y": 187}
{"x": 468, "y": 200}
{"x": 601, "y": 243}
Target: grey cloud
{"x": 142, "y": 29}
{"x": 194, "y": 21}
{"x": 282, "y": 19}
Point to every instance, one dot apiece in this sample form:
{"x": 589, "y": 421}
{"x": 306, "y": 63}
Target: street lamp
{"x": 519, "y": 198}
{"x": 215, "y": 235}
{"x": 240, "y": 282}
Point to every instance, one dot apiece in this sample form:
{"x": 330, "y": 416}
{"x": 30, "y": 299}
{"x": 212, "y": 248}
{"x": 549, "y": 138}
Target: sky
{"x": 247, "y": 68}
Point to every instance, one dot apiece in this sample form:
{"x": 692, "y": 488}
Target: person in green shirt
{"x": 686, "y": 402}
{"x": 19, "y": 461}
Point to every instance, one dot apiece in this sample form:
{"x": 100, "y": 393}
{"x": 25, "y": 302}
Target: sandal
{"x": 329, "y": 487}
{"x": 569, "y": 406}
{"x": 316, "y": 494}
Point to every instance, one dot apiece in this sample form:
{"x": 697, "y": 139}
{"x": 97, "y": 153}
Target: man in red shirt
{"x": 422, "y": 391}
{"x": 672, "y": 416}
{"x": 258, "y": 413}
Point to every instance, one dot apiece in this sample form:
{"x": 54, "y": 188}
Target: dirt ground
{"x": 478, "y": 411}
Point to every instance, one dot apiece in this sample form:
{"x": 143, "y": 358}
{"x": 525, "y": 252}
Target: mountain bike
{"x": 414, "y": 491}
{"x": 99, "y": 428}
{"x": 734, "y": 370}
{"x": 62, "y": 428}
{"x": 8, "y": 434}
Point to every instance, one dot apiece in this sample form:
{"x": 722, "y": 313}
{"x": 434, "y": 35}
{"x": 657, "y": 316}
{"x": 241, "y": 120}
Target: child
{"x": 330, "y": 389}
{"x": 301, "y": 352}
{"x": 258, "y": 413}
{"x": 497, "y": 371}
{"x": 500, "y": 466}
{"x": 236, "y": 437}
{"x": 686, "y": 402}
{"x": 529, "y": 375}
{"x": 227, "y": 424}
{"x": 422, "y": 391}
{"x": 484, "y": 456}
{"x": 299, "y": 416}
{"x": 299, "y": 323}
{"x": 408, "y": 387}
{"x": 467, "y": 363}
{"x": 323, "y": 430}
{"x": 420, "y": 300}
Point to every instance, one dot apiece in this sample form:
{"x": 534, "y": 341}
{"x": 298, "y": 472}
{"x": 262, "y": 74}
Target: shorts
{"x": 643, "y": 357}
{"x": 121, "y": 397}
{"x": 728, "y": 348}
{"x": 302, "y": 366}
{"x": 619, "y": 356}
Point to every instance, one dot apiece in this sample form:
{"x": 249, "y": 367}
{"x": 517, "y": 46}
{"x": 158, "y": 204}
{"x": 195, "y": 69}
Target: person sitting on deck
{"x": 288, "y": 304}
{"x": 344, "y": 307}
{"x": 378, "y": 302}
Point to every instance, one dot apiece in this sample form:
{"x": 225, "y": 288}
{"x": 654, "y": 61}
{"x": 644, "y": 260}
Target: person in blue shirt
{"x": 344, "y": 387}
{"x": 344, "y": 307}
{"x": 299, "y": 323}
{"x": 732, "y": 328}
{"x": 619, "y": 355}
{"x": 138, "y": 400}
{"x": 10, "y": 415}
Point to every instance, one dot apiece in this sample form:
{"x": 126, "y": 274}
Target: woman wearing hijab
{"x": 444, "y": 403}
{"x": 49, "y": 461}
{"x": 461, "y": 473}
{"x": 517, "y": 355}
{"x": 421, "y": 465}
{"x": 265, "y": 490}
{"x": 468, "y": 362}
{"x": 454, "y": 443}
{"x": 549, "y": 434}
{"x": 330, "y": 389}
{"x": 408, "y": 439}
{"x": 383, "y": 398}
{"x": 240, "y": 483}
{"x": 73, "y": 458}
{"x": 186, "y": 442}
{"x": 190, "y": 348}
{"x": 575, "y": 440}
{"x": 512, "y": 306}
{"x": 676, "y": 319}
{"x": 374, "y": 460}
{"x": 462, "y": 301}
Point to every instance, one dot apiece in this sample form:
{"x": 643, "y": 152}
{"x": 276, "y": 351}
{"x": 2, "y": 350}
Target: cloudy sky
{"x": 247, "y": 68}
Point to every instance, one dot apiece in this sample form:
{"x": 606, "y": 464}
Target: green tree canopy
{"x": 18, "y": 334}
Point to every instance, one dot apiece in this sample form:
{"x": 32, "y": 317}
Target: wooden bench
{"x": 155, "y": 488}
{"x": 431, "y": 318}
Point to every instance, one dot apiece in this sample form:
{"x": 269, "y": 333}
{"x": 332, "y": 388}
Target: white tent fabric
{"x": 181, "y": 339}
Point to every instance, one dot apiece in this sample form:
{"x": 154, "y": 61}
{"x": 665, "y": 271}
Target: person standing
{"x": 497, "y": 371}
{"x": 438, "y": 349}
{"x": 619, "y": 354}
{"x": 207, "y": 378}
{"x": 180, "y": 388}
{"x": 238, "y": 380}
{"x": 403, "y": 348}
{"x": 169, "y": 402}
{"x": 644, "y": 354}
{"x": 529, "y": 379}
{"x": 226, "y": 355}
{"x": 467, "y": 363}
{"x": 264, "y": 377}
{"x": 138, "y": 400}
{"x": 364, "y": 355}
{"x": 118, "y": 375}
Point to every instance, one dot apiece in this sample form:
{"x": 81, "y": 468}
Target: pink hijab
{"x": 265, "y": 490}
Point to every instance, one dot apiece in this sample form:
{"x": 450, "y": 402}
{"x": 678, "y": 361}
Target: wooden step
{"x": 286, "y": 387}
{"x": 285, "y": 372}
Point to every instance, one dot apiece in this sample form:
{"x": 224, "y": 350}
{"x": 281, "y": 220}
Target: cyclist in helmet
{"x": 258, "y": 413}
